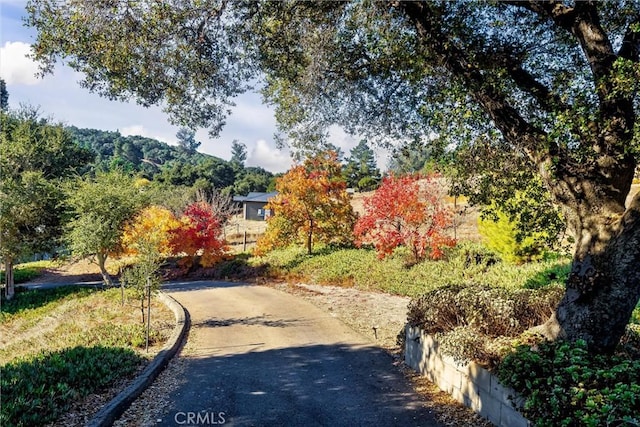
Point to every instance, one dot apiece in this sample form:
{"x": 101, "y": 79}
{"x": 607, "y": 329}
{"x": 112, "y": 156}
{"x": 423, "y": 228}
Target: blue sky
{"x": 60, "y": 97}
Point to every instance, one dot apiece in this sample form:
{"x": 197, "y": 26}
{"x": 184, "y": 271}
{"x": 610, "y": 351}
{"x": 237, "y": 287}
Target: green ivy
{"x": 37, "y": 391}
{"x": 565, "y": 385}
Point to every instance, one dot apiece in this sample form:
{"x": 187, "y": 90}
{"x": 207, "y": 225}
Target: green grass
{"x": 28, "y": 271}
{"x": 465, "y": 264}
{"x": 63, "y": 344}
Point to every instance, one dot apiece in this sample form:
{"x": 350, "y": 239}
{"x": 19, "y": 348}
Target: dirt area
{"x": 377, "y": 316}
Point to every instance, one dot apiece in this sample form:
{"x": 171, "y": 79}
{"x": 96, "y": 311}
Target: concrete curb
{"x": 116, "y": 407}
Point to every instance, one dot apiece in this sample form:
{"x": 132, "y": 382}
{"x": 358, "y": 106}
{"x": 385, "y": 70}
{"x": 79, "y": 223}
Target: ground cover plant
{"x": 61, "y": 345}
{"x": 37, "y": 390}
{"x": 564, "y": 385}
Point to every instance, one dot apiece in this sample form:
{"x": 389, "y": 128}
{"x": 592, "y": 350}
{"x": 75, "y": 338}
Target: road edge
{"x": 116, "y": 407}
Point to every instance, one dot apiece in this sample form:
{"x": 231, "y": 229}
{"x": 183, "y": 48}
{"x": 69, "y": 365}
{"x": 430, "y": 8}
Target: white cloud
{"x": 271, "y": 159}
{"x": 140, "y": 130}
{"x": 15, "y": 66}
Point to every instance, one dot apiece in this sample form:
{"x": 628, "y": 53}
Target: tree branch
{"x": 630, "y": 48}
{"x": 519, "y": 132}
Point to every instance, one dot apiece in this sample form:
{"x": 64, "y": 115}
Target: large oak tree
{"x": 552, "y": 83}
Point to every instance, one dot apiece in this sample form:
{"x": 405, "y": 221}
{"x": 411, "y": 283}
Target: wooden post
{"x": 244, "y": 242}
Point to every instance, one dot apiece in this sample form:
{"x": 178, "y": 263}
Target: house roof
{"x": 255, "y": 197}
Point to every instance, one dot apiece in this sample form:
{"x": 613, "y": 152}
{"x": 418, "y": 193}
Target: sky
{"x": 60, "y": 97}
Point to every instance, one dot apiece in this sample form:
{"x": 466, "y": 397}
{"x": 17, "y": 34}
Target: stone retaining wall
{"x": 470, "y": 384}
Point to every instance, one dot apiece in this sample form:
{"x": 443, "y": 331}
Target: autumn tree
{"x": 552, "y": 83}
{"x": 312, "y": 205}
{"x": 406, "y": 211}
{"x": 100, "y": 208}
{"x": 199, "y": 236}
{"x": 220, "y": 203}
{"x": 150, "y": 231}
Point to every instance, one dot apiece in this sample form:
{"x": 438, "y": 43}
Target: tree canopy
{"x": 101, "y": 207}
{"x": 360, "y": 169}
{"x": 37, "y": 155}
{"x": 553, "y": 84}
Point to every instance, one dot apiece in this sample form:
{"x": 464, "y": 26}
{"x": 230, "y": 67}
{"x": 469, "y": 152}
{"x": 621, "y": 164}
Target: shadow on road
{"x": 248, "y": 321}
{"x": 315, "y": 385}
{"x": 184, "y": 286}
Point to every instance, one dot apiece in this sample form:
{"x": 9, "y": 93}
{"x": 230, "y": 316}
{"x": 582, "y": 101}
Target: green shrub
{"x": 500, "y": 234}
{"x": 37, "y": 391}
{"x": 490, "y": 311}
{"x": 564, "y": 385}
{"x": 464, "y": 343}
{"x": 476, "y": 322}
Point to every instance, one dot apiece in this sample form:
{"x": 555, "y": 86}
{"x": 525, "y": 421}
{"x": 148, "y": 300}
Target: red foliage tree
{"x": 199, "y": 234}
{"x": 406, "y": 210}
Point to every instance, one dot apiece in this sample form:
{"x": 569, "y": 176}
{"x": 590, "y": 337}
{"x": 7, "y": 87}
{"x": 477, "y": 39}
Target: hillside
{"x": 175, "y": 165}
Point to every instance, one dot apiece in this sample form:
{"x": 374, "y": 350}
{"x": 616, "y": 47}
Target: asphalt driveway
{"x": 261, "y": 357}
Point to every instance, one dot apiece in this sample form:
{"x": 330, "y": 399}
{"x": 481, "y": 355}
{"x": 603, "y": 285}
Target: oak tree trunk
{"x": 604, "y": 284}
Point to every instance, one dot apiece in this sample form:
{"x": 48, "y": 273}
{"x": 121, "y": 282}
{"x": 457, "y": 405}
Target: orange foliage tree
{"x": 406, "y": 210}
{"x": 199, "y": 235}
{"x": 311, "y": 205}
{"x": 151, "y": 230}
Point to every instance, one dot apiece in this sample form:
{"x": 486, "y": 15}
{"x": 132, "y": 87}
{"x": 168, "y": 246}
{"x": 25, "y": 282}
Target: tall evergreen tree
{"x": 361, "y": 170}
{"x": 238, "y": 154}
{"x": 4, "y": 96}
{"x": 187, "y": 140}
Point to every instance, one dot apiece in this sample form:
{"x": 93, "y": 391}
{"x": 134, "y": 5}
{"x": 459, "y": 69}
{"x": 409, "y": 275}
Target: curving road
{"x": 261, "y": 357}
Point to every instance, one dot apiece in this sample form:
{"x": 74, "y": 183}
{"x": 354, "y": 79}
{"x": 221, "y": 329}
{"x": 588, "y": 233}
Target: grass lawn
{"x": 468, "y": 263}
{"x": 28, "y": 271}
{"x": 60, "y": 345}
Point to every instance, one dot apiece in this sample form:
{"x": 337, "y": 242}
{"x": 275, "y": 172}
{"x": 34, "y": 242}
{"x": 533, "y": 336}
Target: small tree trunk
{"x": 106, "y": 278}
{"x": 8, "y": 279}
{"x": 147, "y": 331}
{"x": 310, "y": 238}
{"x": 142, "y": 297}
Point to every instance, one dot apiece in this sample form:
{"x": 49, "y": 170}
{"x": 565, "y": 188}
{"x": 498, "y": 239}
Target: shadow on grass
{"x": 235, "y": 268}
{"x": 39, "y": 390}
{"x": 557, "y": 273}
{"x": 29, "y": 299}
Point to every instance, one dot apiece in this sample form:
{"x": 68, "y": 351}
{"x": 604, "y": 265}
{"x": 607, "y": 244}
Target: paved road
{"x": 261, "y": 357}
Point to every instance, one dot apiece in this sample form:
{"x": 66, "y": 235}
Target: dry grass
{"x": 76, "y": 320}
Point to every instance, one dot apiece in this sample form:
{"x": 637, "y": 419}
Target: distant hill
{"x": 162, "y": 162}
